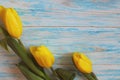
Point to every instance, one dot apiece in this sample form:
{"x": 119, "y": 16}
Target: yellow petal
{"x": 1, "y": 12}
{"x": 1, "y": 8}
{"x": 40, "y": 60}
{"x": 84, "y": 67}
{"x": 76, "y": 56}
{"x": 39, "y": 48}
{"x": 42, "y": 55}
{"x": 32, "y": 49}
{"x": 16, "y": 16}
{"x": 82, "y": 62}
{"x": 43, "y": 60}
{"x": 12, "y": 22}
{"x": 48, "y": 62}
{"x": 85, "y": 58}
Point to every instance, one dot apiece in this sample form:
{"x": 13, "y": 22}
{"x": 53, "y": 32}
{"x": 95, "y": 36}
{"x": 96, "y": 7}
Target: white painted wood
{"x": 90, "y": 26}
{"x": 101, "y": 45}
{"x": 67, "y": 12}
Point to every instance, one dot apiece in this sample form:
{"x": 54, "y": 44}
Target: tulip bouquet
{"x": 34, "y": 62}
{"x": 84, "y": 65}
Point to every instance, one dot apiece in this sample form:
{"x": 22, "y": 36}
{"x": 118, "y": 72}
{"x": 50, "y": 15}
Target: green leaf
{"x": 89, "y": 76}
{"x": 28, "y": 73}
{"x": 65, "y": 74}
{"x": 93, "y": 74}
{"x": 1, "y": 30}
{"x": 3, "y": 43}
{"x": 4, "y": 32}
{"x": 23, "y": 54}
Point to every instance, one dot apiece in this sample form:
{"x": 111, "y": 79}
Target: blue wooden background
{"x": 65, "y": 26}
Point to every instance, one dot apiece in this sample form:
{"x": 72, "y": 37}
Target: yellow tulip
{"x": 82, "y": 62}
{"x": 12, "y": 22}
{"x": 1, "y": 8}
{"x": 43, "y": 56}
{"x": 1, "y": 12}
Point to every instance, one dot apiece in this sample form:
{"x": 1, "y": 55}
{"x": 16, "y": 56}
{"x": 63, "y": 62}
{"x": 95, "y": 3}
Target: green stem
{"x": 20, "y": 42}
{"x": 29, "y": 75}
{"x": 65, "y": 74}
{"x": 93, "y": 74}
{"x": 4, "y": 32}
{"x": 47, "y": 76}
{"x": 54, "y": 72}
{"x": 20, "y": 51}
{"x": 88, "y": 76}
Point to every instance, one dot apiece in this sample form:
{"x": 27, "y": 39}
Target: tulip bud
{"x": 82, "y": 63}
{"x": 1, "y": 12}
{"x": 12, "y": 22}
{"x": 1, "y": 9}
{"x": 43, "y": 56}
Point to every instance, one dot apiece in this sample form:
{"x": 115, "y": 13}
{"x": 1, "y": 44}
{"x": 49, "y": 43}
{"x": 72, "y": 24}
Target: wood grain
{"x": 100, "y": 45}
{"x": 67, "y": 12}
{"x": 67, "y": 26}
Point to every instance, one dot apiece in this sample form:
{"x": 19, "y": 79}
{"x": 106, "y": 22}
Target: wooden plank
{"x": 67, "y": 12}
{"x": 101, "y": 45}
{"x": 104, "y": 72}
{"x": 8, "y": 69}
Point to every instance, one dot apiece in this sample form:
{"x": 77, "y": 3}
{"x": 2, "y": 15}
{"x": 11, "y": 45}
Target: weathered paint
{"x": 101, "y": 45}
{"x": 67, "y": 12}
{"x": 97, "y": 34}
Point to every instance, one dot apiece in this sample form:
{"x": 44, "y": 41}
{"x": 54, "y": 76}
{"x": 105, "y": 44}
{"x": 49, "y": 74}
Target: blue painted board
{"x": 65, "y": 26}
{"x": 100, "y": 45}
{"x": 67, "y": 12}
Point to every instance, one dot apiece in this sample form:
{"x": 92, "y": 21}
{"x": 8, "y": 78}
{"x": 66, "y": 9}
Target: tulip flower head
{"x": 1, "y": 9}
{"x": 1, "y": 12}
{"x": 82, "y": 62}
{"x": 43, "y": 56}
{"x": 12, "y": 22}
